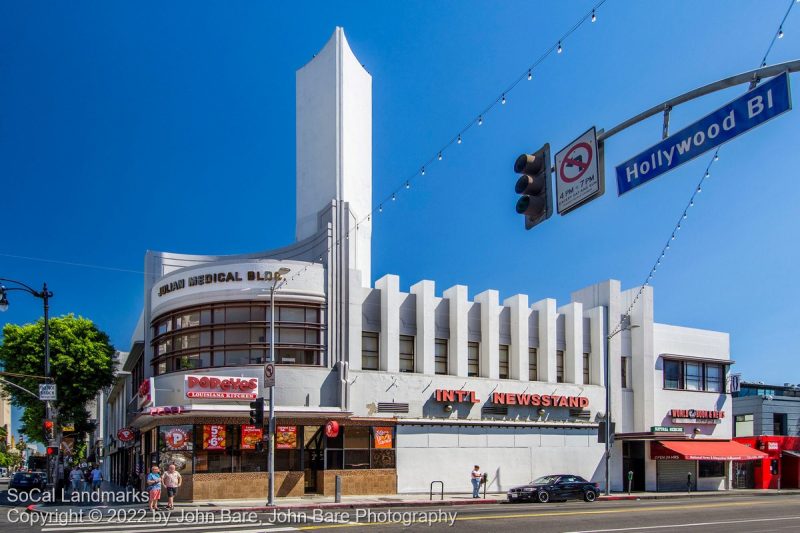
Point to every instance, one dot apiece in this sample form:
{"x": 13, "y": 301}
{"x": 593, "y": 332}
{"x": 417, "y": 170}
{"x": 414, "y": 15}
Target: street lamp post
{"x": 607, "y": 456}
{"x": 45, "y": 295}
{"x": 271, "y": 448}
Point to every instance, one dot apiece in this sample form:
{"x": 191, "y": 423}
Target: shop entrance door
{"x": 633, "y": 461}
{"x": 313, "y": 456}
{"x": 743, "y": 475}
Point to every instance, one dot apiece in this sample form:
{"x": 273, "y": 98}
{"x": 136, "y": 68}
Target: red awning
{"x": 704, "y": 451}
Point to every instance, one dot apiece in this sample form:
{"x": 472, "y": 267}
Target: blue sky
{"x": 170, "y": 126}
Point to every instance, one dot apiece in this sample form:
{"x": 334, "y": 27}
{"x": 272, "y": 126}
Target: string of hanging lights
{"x": 478, "y": 120}
{"x": 685, "y": 213}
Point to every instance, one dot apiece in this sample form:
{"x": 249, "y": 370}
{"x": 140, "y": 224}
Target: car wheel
{"x": 543, "y": 496}
{"x": 589, "y": 496}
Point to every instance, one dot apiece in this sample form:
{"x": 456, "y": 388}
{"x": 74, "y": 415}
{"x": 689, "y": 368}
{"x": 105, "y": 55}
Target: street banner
{"x": 383, "y": 437}
{"x": 250, "y": 436}
{"x": 286, "y": 437}
{"x": 214, "y": 437}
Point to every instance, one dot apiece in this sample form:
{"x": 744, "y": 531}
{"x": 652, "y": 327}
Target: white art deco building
{"x": 393, "y": 390}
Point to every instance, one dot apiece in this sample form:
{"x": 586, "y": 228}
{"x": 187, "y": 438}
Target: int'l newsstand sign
{"x": 579, "y": 173}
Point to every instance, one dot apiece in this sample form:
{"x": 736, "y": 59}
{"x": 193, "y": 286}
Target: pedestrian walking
{"x": 97, "y": 478}
{"x": 172, "y": 480}
{"x": 154, "y": 487}
{"x": 476, "y": 481}
{"x": 75, "y": 477}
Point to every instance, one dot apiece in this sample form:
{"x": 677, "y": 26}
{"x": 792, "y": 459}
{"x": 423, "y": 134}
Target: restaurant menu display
{"x": 250, "y": 436}
{"x": 383, "y": 437}
{"x": 286, "y": 437}
{"x": 214, "y": 437}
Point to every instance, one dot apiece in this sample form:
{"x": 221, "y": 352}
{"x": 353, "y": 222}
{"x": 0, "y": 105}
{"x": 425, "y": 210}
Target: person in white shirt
{"x": 476, "y": 481}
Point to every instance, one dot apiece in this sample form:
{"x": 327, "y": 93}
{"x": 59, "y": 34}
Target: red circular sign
{"x": 176, "y": 439}
{"x": 574, "y": 159}
{"x": 125, "y": 434}
{"x": 332, "y": 429}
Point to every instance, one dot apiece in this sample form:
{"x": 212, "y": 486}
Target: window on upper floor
{"x": 743, "y": 425}
{"x": 503, "y": 359}
{"x": 533, "y": 368}
{"x": 559, "y": 366}
{"x": 586, "y": 369}
{"x": 694, "y": 375}
{"x": 473, "y": 358}
{"x": 779, "y": 424}
{"x": 406, "y": 353}
{"x": 440, "y": 356}
{"x": 369, "y": 350}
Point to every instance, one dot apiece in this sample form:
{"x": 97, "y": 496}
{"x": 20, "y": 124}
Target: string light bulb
{"x": 408, "y": 185}
{"x": 699, "y": 189}
{"x": 691, "y": 204}
{"x": 530, "y": 75}
{"x": 684, "y": 215}
{"x": 716, "y": 157}
{"x": 780, "y": 32}
{"x": 440, "y": 156}
{"x": 394, "y": 197}
{"x": 594, "y": 16}
{"x": 708, "y": 174}
{"x": 480, "y": 120}
{"x": 559, "y": 50}
{"x": 459, "y": 139}
{"x": 503, "y": 99}
{"x": 422, "y": 171}
{"x": 380, "y": 208}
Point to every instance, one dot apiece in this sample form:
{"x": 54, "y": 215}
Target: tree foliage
{"x": 81, "y": 363}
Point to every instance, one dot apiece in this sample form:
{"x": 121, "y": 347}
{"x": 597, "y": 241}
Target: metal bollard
{"x": 338, "y": 498}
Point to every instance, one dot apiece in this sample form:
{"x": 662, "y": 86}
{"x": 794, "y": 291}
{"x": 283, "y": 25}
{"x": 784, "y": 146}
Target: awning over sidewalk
{"x": 791, "y": 453}
{"x": 704, "y": 451}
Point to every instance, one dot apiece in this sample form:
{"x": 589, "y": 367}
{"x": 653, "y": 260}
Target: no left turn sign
{"x": 579, "y": 173}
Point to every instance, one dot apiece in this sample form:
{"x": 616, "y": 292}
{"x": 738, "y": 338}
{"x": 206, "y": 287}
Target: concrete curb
{"x": 43, "y": 508}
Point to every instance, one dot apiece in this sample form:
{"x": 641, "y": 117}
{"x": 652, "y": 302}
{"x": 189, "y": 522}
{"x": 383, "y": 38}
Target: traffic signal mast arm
{"x": 752, "y": 77}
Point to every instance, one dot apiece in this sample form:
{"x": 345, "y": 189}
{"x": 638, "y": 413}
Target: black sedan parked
{"x": 555, "y": 487}
{"x": 28, "y": 481}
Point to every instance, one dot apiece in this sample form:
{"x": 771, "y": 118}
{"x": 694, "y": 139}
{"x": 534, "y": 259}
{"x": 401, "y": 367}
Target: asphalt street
{"x": 715, "y": 514}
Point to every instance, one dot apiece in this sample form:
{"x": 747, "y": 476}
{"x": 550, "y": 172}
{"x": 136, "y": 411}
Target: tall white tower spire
{"x": 334, "y": 145}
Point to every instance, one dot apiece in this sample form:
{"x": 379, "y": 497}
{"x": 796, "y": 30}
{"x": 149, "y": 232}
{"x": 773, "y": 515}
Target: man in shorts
{"x": 154, "y": 487}
{"x": 172, "y": 480}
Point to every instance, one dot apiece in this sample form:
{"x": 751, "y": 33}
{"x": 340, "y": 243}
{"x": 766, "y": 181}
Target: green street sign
{"x": 666, "y": 429}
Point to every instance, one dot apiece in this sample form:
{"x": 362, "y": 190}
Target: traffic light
{"x": 257, "y": 412}
{"x": 49, "y": 434}
{"x": 535, "y": 186}
{"x": 51, "y": 450}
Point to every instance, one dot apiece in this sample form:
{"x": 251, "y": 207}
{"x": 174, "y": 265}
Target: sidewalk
{"x": 398, "y": 500}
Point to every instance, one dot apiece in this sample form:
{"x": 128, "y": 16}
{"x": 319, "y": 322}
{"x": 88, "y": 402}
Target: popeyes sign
{"x": 220, "y": 387}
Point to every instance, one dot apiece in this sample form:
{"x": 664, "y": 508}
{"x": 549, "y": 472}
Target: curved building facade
{"x": 390, "y": 389}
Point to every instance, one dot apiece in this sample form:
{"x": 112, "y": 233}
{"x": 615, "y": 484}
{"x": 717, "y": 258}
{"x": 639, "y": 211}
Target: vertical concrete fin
{"x": 489, "y": 365}
{"x": 520, "y": 315}
{"x": 457, "y": 345}
{"x": 573, "y": 340}
{"x": 425, "y": 346}
{"x": 547, "y": 339}
{"x": 389, "y": 357}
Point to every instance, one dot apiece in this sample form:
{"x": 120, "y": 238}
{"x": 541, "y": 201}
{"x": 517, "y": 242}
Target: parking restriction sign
{"x": 579, "y": 173}
{"x": 269, "y": 375}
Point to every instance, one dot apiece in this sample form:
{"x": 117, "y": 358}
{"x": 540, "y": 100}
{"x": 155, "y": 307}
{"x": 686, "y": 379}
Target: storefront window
{"x": 711, "y": 469}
